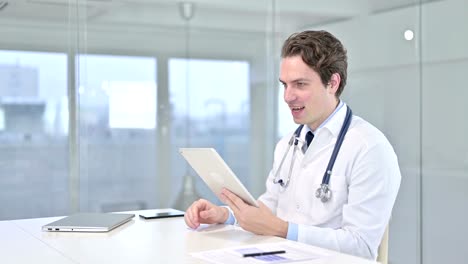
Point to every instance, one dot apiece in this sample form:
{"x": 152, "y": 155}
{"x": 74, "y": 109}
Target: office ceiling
{"x": 235, "y": 15}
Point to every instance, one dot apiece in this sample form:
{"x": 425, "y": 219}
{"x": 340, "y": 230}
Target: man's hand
{"x": 256, "y": 220}
{"x": 204, "y": 212}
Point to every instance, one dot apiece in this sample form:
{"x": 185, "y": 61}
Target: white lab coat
{"x": 364, "y": 184}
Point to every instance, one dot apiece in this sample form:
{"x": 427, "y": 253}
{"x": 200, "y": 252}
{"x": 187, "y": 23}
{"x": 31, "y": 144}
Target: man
{"x": 365, "y": 178}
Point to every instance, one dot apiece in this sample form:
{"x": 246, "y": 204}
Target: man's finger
{"x": 260, "y": 204}
{"x": 229, "y": 203}
{"x": 208, "y": 213}
{"x": 189, "y": 221}
{"x": 196, "y": 208}
{"x": 235, "y": 200}
{"x": 193, "y": 214}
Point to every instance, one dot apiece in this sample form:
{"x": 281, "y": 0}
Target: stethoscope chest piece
{"x": 283, "y": 184}
{"x": 323, "y": 193}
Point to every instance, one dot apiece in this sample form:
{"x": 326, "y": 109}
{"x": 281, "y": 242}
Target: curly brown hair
{"x": 322, "y": 51}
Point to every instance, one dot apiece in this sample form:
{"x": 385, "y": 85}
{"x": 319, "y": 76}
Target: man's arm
{"x": 374, "y": 183}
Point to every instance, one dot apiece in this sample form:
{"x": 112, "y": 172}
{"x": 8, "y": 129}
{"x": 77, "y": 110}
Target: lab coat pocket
{"x": 331, "y": 212}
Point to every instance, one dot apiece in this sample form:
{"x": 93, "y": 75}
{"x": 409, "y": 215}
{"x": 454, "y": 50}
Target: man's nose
{"x": 289, "y": 95}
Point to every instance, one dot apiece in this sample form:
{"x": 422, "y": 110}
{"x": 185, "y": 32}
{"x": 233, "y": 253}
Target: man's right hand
{"x": 204, "y": 212}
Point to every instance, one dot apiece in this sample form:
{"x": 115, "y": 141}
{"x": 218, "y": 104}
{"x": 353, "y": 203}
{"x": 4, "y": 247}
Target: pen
{"x": 264, "y": 253}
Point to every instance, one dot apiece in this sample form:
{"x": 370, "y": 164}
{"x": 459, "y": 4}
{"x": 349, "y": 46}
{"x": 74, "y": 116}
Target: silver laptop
{"x": 88, "y": 222}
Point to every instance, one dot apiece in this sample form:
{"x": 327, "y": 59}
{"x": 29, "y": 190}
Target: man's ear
{"x": 334, "y": 83}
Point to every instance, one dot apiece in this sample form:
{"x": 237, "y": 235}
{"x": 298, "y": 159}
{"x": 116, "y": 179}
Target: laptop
{"x": 88, "y": 222}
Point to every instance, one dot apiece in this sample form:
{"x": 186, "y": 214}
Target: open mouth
{"x": 297, "y": 109}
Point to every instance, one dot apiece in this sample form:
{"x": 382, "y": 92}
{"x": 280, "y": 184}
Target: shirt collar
{"x": 333, "y": 122}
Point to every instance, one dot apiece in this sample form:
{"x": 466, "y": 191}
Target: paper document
{"x": 289, "y": 251}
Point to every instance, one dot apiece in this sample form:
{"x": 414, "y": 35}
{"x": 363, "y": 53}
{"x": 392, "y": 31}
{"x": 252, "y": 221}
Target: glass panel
{"x": 383, "y": 87}
{"x": 444, "y": 144}
{"x": 171, "y": 30}
{"x": 210, "y": 102}
{"x": 117, "y": 132}
{"x": 33, "y": 134}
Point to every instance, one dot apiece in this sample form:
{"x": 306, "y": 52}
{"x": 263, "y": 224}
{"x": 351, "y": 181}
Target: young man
{"x": 350, "y": 216}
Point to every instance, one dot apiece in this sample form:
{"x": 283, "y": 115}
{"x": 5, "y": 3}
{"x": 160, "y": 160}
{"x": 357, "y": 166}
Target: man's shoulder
{"x": 366, "y": 133}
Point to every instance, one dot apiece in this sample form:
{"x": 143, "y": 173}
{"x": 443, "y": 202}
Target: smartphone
{"x": 154, "y": 215}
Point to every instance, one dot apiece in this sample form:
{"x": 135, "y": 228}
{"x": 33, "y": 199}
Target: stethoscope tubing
{"x": 336, "y": 149}
{"x": 293, "y": 140}
{"x": 323, "y": 192}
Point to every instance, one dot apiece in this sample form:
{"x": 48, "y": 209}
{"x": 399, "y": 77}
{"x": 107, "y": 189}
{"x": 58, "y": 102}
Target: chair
{"x": 382, "y": 253}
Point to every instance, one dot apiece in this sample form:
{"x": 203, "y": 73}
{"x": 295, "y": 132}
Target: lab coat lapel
{"x": 322, "y": 142}
{"x": 325, "y": 137}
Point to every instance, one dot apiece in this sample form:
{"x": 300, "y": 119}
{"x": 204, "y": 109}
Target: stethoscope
{"x": 323, "y": 192}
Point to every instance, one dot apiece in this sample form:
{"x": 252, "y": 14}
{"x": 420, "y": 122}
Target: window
{"x": 33, "y": 134}
{"x": 131, "y": 104}
{"x": 210, "y": 102}
{"x": 117, "y": 113}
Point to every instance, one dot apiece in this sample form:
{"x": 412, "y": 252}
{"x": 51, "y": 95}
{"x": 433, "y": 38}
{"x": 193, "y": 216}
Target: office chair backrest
{"x": 382, "y": 253}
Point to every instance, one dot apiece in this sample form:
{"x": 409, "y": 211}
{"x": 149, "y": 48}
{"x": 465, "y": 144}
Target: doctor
{"x": 336, "y": 193}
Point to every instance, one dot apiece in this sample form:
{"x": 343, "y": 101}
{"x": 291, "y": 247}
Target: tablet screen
{"x": 216, "y": 173}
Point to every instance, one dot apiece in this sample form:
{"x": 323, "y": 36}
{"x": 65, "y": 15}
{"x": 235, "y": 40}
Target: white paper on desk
{"x": 294, "y": 252}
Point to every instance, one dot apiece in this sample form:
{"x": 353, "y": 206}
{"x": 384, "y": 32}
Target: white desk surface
{"x": 138, "y": 241}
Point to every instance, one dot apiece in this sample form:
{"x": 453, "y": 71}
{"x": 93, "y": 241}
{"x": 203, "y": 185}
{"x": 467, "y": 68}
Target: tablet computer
{"x": 209, "y": 165}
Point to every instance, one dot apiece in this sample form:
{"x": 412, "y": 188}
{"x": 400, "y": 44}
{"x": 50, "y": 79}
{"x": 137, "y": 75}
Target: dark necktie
{"x": 309, "y": 137}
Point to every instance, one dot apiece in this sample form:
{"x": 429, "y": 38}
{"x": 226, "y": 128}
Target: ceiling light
{"x": 409, "y": 34}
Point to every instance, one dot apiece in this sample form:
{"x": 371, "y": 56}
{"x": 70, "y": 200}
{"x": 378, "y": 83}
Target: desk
{"x": 138, "y": 241}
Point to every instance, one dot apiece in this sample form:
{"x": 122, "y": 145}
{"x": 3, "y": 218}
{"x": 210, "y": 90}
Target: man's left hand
{"x": 259, "y": 220}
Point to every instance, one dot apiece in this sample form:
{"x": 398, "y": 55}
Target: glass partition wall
{"x": 444, "y": 159}
{"x": 34, "y": 110}
{"x": 96, "y": 98}
{"x": 155, "y": 76}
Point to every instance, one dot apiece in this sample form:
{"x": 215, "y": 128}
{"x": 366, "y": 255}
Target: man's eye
{"x": 300, "y": 84}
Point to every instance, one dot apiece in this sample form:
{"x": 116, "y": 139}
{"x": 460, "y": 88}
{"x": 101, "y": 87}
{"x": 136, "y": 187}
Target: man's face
{"x": 308, "y": 99}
